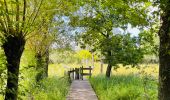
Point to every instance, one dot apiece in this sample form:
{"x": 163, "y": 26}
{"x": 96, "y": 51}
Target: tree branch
{"x": 7, "y": 16}
{"x": 23, "y": 16}
{"x": 26, "y": 32}
{"x": 3, "y": 26}
{"x": 103, "y": 34}
{"x": 17, "y": 17}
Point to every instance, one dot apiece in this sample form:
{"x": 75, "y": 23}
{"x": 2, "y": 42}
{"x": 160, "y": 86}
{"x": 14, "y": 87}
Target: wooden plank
{"x": 71, "y": 71}
{"x": 86, "y": 74}
{"x": 81, "y": 90}
{"x": 90, "y": 72}
{"x": 87, "y": 68}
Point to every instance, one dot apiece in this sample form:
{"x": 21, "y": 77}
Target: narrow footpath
{"x": 81, "y": 90}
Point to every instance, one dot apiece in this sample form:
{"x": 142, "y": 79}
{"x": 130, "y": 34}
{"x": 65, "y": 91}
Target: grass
{"x": 124, "y": 87}
{"x": 53, "y": 88}
{"x": 126, "y": 83}
{"x": 149, "y": 69}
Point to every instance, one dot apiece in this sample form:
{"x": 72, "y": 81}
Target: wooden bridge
{"x": 80, "y": 88}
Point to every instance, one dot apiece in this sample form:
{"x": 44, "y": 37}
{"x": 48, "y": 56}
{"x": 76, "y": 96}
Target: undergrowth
{"x": 53, "y": 88}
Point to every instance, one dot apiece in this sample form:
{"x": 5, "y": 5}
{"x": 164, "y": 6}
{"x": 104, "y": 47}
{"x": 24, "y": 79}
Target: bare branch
{"x": 103, "y": 34}
{"x": 17, "y": 16}
{"x": 26, "y": 32}
{"x": 36, "y": 12}
{"x": 3, "y": 26}
{"x": 23, "y": 16}
{"x": 7, "y": 16}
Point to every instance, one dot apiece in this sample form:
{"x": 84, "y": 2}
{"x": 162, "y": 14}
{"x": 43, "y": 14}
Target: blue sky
{"x": 134, "y": 31}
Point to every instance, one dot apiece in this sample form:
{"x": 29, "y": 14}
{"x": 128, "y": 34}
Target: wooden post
{"x": 101, "y": 69}
{"x": 90, "y": 71}
{"x": 73, "y": 73}
{"x": 69, "y": 78}
{"x": 82, "y": 72}
{"x": 76, "y": 73}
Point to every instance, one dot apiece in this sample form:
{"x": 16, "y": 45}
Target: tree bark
{"x": 109, "y": 67}
{"x": 164, "y": 56}
{"x": 108, "y": 71}
{"x": 39, "y": 67}
{"x": 46, "y": 62}
{"x": 13, "y": 48}
{"x": 42, "y": 65}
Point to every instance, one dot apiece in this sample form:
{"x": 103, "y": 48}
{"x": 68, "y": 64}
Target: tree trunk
{"x": 42, "y": 65}
{"x": 108, "y": 71}
{"x": 46, "y": 62}
{"x": 109, "y": 67}
{"x": 164, "y": 56}
{"x": 13, "y": 48}
{"x": 39, "y": 67}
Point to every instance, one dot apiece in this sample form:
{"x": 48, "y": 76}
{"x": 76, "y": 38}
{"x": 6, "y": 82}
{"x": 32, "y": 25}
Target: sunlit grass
{"x": 124, "y": 87}
{"x": 53, "y": 88}
{"x": 126, "y": 82}
{"x": 56, "y": 70}
{"x": 150, "y": 69}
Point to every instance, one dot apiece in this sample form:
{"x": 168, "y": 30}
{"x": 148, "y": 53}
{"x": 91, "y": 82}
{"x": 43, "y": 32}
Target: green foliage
{"x": 124, "y": 49}
{"x": 99, "y": 17}
{"x": 148, "y": 42}
{"x": 51, "y": 88}
{"x": 28, "y": 58}
{"x": 3, "y": 72}
{"x": 84, "y": 54}
{"x": 122, "y": 87}
{"x": 63, "y": 56}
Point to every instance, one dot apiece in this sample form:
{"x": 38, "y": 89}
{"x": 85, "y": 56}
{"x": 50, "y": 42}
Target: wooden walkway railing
{"x": 78, "y": 73}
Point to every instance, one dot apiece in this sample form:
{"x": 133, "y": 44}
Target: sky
{"x": 133, "y": 31}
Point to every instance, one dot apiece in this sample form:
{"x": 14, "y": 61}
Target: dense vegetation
{"x": 125, "y": 87}
{"x": 36, "y": 33}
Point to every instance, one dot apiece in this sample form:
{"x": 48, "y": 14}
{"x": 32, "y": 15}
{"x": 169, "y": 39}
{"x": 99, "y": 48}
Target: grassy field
{"x": 125, "y": 87}
{"x": 126, "y": 83}
{"x": 142, "y": 69}
{"x": 55, "y": 87}
{"x": 52, "y": 88}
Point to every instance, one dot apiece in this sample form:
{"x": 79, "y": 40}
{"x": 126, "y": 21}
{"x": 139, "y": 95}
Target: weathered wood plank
{"x": 87, "y": 68}
{"x": 81, "y": 90}
{"x": 84, "y": 74}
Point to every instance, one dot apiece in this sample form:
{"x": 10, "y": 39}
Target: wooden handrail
{"x": 78, "y": 73}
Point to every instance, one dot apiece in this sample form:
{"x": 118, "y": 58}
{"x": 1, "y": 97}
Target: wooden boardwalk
{"x": 81, "y": 90}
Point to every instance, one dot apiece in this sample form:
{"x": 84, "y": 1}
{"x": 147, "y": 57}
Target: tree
{"x": 43, "y": 38}
{"x": 18, "y": 19}
{"x": 100, "y": 17}
{"x": 84, "y": 55}
{"x": 164, "y": 56}
{"x": 40, "y": 45}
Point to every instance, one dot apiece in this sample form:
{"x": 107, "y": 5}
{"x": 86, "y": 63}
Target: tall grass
{"x": 53, "y": 88}
{"x": 124, "y": 87}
